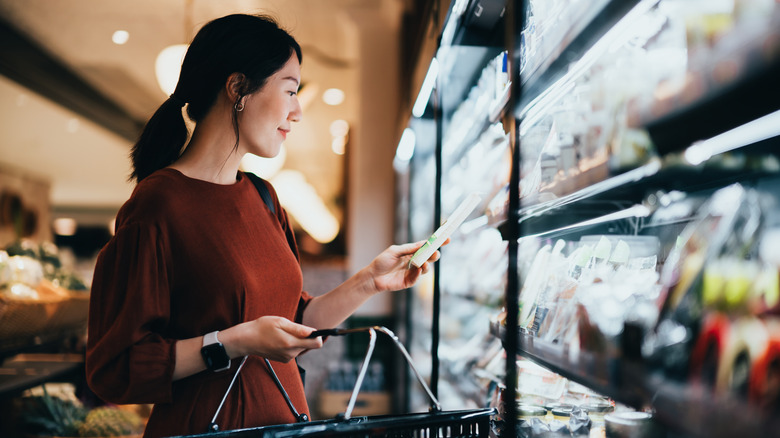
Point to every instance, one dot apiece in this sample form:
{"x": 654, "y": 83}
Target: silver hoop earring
{"x": 239, "y": 106}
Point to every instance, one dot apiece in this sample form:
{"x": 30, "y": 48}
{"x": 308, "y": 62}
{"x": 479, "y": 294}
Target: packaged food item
{"x": 708, "y": 349}
{"x": 597, "y": 410}
{"x": 562, "y": 412}
{"x": 728, "y": 225}
{"x": 764, "y": 386}
{"x": 535, "y": 380}
{"x": 747, "y": 340}
{"x": 632, "y": 424}
{"x": 532, "y": 286}
{"x": 526, "y": 411}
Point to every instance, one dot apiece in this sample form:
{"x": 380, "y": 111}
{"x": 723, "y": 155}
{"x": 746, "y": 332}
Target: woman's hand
{"x": 391, "y": 269}
{"x": 272, "y": 337}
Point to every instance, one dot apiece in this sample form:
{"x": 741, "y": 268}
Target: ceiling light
{"x": 264, "y": 167}
{"x": 168, "y": 66}
{"x": 64, "y": 226}
{"x": 425, "y": 90}
{"x": 338, "y": 145}
{"x": 120, "y": 37}
{"x": 339, "y": 128}
{"x": 301, "y": 200}
{"x": 333, "y": 96}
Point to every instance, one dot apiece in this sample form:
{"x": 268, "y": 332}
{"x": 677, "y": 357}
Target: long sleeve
{"x": 128, "y": 359}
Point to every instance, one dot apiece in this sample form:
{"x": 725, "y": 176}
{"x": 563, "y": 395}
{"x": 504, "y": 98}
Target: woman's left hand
{"x": 391, "y": 269}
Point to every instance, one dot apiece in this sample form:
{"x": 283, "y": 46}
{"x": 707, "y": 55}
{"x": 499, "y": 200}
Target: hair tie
{"x": 176, "y": 99}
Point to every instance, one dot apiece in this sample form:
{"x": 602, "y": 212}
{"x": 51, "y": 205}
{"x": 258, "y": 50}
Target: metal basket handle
{"x": 435, "y": 405}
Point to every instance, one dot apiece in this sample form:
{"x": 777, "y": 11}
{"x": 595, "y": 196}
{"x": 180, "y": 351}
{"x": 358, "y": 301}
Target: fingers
{"x": 296, "y": 339}
{"x": 297, "y": 330}
{"x": 301, "y": 334}
{"x": 426, "y": 265}
{"x": 406, "y": 248}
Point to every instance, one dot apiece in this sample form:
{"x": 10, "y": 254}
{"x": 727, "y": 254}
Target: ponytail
{"x": 161, "y": 141}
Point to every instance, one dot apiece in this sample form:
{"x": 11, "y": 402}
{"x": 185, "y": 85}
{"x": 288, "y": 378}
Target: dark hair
{"x": 252, "y": 45}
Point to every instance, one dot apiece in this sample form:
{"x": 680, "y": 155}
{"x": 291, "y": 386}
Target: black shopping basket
{"x": 432, "y": 424}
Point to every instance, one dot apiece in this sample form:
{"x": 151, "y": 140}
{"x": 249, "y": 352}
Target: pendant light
{"x": 167, "y": 66}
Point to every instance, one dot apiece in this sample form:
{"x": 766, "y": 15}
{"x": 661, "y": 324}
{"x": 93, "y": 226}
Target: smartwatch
{"x": 214, "y": 353}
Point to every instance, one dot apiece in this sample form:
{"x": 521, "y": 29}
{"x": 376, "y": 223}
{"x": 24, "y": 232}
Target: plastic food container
{"x": 631, "y": 424}
{"x": 526, "y": 411}
{"x": 561, "y": 408}
{"x": 562, "y": 413}
{"x": 597, "y": 410}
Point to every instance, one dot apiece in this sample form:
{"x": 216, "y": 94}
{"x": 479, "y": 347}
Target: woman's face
{"x": 269, "y": 112}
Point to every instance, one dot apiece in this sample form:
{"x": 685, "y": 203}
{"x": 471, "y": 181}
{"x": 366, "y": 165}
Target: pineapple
{"x": 108, "y": 421}
{"x": 45, "y": 415}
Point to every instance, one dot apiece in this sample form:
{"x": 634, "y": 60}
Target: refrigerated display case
{"x": 627, "y": 155}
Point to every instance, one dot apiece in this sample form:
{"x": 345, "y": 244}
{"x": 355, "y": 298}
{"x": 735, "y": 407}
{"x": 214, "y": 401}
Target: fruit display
{"x": 62, "y": 415}
{"x": 38, "y": 295}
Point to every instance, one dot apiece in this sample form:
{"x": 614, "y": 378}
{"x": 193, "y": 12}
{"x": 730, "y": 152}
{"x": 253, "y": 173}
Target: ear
{"x": 234, "y": 86}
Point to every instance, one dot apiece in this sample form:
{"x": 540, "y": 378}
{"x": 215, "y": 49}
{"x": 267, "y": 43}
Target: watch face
{"x": 215, "y": 356}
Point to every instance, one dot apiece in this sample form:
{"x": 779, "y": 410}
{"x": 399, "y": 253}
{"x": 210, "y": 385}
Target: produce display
{"x": 38, "y": 296}
{"x": 64, "y": 416}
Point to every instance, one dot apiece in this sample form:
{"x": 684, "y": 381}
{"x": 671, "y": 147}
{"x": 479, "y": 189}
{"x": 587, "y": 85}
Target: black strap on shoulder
{"x": 263, "y": 190}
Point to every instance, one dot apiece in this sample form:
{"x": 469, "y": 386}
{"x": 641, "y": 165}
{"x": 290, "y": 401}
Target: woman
{"x": 200, "y": 272}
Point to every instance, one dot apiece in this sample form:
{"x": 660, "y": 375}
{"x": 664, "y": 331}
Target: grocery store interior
{"x": 609, "y": 171}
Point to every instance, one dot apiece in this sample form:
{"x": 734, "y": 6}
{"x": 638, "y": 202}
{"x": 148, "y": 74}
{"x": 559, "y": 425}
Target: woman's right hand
{"x": 272, "y": 337}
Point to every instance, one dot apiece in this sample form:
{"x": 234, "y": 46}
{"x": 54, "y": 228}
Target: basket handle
{"x": 435, "y": 405}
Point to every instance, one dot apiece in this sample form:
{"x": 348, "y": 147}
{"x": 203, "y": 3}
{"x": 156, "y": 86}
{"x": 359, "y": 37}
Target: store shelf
{"x": 39, "y": 342}
{"x": 702, "y": 111}
{"x": 601, "y": 373}
{"x": 590, "y": 28}
{"x": 632, "y": 187}
{"x": 684, "y": 408}
{"x": 29, "y": 370}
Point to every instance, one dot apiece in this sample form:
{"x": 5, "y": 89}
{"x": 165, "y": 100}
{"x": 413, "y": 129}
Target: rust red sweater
{"x": 190, "y": 257}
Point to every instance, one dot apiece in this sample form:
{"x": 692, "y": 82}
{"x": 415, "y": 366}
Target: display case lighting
{"x": 406, "y": 145}
{"x": 427, "y": 88}
{"x": 752, "y": 132}
{"x": 634, "y": 212}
